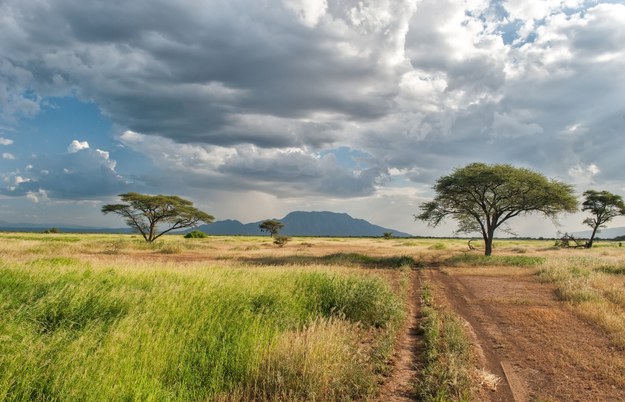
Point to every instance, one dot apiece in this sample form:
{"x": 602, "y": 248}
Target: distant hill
{"x": 609, "y": 233}
{"x": 301, "y": 223}
{"x": 295, "y": 224}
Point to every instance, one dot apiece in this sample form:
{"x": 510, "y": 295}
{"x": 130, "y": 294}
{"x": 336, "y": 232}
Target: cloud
{"x": 76, "y": 146}
{"x": 8, "y": 156}
{"x": 5, "y": 141}
{"x": 80, "y": 174}
{"x": 257, "y": 96}
{"x": 293, "y": 172}
{"x": 232, "y": 63}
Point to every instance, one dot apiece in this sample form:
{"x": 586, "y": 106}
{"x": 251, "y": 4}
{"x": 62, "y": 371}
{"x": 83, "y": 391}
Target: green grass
{"x": 63, "y": 238}
{"x": 70, "y": 331}
{"x": 343, "y": 259}
{"x": 446, "y": 374}
{"x": 482, "y": 260}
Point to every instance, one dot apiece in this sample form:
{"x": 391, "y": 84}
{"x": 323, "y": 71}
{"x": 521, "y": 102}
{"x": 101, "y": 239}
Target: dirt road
{"x": 542, "y": 350}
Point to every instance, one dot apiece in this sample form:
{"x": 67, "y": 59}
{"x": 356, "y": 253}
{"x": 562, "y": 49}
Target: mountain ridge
{"x": 306, "y": 223}
{"x": 296, "y": 223}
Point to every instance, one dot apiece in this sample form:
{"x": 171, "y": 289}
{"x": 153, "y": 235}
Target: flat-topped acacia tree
{"x": 604, "y": 206}
{"x": 271, "y": 226}
{"x": 482, "y": 197}
{"x": 145, "y": 213}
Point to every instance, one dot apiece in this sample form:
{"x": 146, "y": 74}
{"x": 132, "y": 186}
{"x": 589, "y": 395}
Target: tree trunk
{"x": 488, "y": 246}
{"x": 488, "y": 242}
{"x": 592, "y": 236}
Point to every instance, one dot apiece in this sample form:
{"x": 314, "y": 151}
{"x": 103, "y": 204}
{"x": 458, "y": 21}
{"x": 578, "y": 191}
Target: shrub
{"x": 281, "y": 241}
{"x": 196, "y": 234}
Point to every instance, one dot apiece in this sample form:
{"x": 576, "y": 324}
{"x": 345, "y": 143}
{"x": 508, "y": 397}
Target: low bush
{"x": 196, "y": 234}
{"x": 281, "y": 241}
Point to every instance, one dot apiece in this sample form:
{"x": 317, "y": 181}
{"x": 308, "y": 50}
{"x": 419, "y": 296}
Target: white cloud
{"x": 8, "y": 156}
{"x": 308, "y": 11}
{"x": 37, "y": 196}
{"x": 583, "y": 175}
{"x": 76, "y": 146}
{"x": 5, "y": 141}
{"x": 75, "y": 175}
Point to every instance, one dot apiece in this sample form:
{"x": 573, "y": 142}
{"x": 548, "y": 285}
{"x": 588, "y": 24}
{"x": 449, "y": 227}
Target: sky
{"x": 255, "y": 108}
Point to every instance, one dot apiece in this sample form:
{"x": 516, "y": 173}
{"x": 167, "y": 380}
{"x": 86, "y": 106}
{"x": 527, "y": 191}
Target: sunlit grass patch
{"x": 438, "y": 246}
{"x": 314, "y": 364}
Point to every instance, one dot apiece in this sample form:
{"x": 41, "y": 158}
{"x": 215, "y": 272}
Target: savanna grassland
{"x": 110, "y": 317}
{"x": 106, "y": 317}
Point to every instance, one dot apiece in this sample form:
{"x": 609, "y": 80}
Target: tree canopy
{"x": 271, "y": 226}
{"x": 146, "y": 213}
{"x": 481, "y": 198}
{"x": 604, "y": 206}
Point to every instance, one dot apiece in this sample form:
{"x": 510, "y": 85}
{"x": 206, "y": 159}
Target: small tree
{"x": 604, "y": 206}
{"x": 144, "y": 213}
{"x": 271, "y": 226}
{"x": 387, "y": 235}
{"x": 483, "y": 197}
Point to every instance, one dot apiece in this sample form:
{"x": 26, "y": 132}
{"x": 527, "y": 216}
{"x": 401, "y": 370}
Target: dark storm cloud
{"x": 190, "y": 71}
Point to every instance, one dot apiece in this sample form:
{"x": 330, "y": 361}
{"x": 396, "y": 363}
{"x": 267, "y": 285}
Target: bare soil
{"x": 539, "y": 347}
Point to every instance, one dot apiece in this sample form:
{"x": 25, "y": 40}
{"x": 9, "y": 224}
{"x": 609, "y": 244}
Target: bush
{"x": 281, "y": 241}
{"x": 196, "y": 234}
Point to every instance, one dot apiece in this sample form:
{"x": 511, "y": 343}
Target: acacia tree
{"x": 145, "y": 213}
{"x": 271, "y": 226}
{"x": 482, "y": 198}
{"x": 604, "y": 206}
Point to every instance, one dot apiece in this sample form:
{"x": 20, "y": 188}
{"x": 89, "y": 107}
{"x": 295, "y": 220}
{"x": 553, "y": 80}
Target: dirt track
{"x": 400, "y": 385}
{"x": 526, "y": 336}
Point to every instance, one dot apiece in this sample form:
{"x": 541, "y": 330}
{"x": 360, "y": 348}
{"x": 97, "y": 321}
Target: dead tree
{"x": 568, "y": 241}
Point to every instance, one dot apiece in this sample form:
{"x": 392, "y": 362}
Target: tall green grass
{"x": 69, "y": 331}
